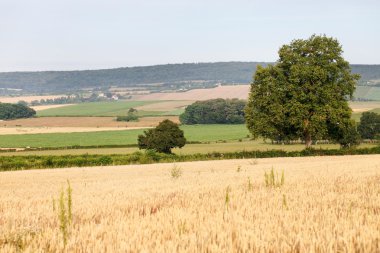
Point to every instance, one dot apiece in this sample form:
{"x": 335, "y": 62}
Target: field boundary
{"x": 12, "y": 163}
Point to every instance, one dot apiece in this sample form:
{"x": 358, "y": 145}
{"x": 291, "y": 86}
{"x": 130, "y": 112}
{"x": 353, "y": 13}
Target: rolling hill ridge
{"x": 169, "y": 75}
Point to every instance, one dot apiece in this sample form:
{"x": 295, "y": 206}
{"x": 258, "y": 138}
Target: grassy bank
{"x": 10, "y": 163}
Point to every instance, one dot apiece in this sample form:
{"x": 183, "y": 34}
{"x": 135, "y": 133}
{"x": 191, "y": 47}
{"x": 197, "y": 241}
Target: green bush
{"x": 127, "y": 118}
{"x": 105, "y": 160}
{"x": 15, "y": 111}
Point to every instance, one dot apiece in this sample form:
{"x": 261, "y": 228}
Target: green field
{"x": 201, "y": 133}
{"x": 114, "y": 108}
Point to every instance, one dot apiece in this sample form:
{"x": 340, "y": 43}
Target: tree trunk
{"x": 308, "y": 140}
{"x": 307, "y": 134}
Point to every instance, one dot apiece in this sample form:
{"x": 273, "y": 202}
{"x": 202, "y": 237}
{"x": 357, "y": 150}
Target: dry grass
{"x": 364, "y": 106}
{"x": 225, "y": 91}
{"x": 85, "y": 122}
{"x": 327, "y": 204}
{"x": 47, "y": 130}
{"x": 45, "y": 107}
{"x": 165, "y": 106}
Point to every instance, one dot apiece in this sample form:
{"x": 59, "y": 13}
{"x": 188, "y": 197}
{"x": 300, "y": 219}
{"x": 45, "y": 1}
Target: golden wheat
{"x": 327, "y": 204}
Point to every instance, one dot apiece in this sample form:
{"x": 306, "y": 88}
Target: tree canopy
{"x": 369, "y": 127}
{"x": 163, "y": 138}
{"x": 214, "y": 111}
{"x": 304, "y": 95}
{"x": 15, "y": 111}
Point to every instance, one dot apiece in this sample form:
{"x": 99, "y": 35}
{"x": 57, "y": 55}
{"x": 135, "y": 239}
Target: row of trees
{"x": 74, "y": 99}
{"x": 214, "y": 111}
{"x": 168, "y": 135}
{"x": 15, "y": 111}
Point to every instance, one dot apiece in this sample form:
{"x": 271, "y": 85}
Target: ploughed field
{"x": 321, "y": 204}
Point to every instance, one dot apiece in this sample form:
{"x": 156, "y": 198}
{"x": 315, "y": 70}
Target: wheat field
{"x": 320, "y": 204}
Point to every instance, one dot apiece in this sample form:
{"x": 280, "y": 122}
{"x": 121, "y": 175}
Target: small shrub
{"x": 128, "y": 118}
{"x": 105, "y": 160}
{"x": 152, "y": 154}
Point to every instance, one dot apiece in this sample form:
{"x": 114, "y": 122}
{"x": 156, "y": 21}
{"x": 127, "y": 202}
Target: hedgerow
{"x": 9, "y": 163}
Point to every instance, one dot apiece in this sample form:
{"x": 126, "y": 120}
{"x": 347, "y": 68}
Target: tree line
{"x": 214, "y": 111}
{"x": 15, "y": 111}
{"x": 67, "y": 81}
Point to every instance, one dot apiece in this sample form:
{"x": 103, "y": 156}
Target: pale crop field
{"x": 320, "y": 204}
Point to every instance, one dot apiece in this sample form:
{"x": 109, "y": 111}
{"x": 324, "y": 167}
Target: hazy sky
{"x": 92, "y": 34}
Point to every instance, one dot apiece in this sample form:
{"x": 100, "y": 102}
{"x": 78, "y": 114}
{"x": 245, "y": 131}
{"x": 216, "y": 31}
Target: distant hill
{"x": 170, "y": 75}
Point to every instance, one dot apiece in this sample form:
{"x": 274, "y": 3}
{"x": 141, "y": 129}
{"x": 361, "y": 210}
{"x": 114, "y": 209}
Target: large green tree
{"x": 369, "y": 127}
{"x": 304, "y": 94}
{"x": 163, "y": 138}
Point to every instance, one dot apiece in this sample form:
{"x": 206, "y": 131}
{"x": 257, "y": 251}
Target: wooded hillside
{"x": 166, "y": 75}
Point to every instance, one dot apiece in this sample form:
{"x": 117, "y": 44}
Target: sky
{"x": 37, "y": 35}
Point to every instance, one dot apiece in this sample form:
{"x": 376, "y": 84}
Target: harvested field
{"x": 364, "y": 106}
{"x": 242, "y": 91}
{"x": 47, "y": 130}
{"x": 45, "y": 107}
{"x": 27, "y": 98}
{"x": 84, "y": 122}
{"x": 326, "y": 204}
{"x": 226, "y": 91}
{"x": 105, "y": 108}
